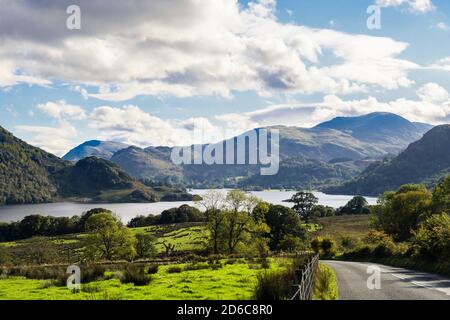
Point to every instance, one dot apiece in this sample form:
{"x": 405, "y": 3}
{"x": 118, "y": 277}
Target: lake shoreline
{"x": 127, "y": 211}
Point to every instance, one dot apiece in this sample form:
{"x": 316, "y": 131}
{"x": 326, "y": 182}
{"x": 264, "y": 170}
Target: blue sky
{"x": 149, "y": 74}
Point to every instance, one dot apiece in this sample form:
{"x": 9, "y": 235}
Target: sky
{"x": 159, "y": 72}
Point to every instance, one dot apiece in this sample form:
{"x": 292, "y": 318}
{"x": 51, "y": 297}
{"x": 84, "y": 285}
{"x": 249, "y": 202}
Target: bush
{"x": 135, "y": 275}
{"x": 196, "y": 266}
{"x": 377, "y": 237}
{"x": 291, "y": 243}
{"x": 153, "y": 269}
{"x": 273, "y": 285}
{"x": 93, "y": 272}
{"x": 432, "y": 239}
{"x": 174, "y": 269}
{"x": 326, "y": 247}
{"x": 57, "y": 274}
{"x": 278, "y": 285}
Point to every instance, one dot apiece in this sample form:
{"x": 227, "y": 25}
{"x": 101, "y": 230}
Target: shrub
{"x": 153, "y": 269}
{"x": 348, "y": 242}
{"x": 291, "y": 243}
{"x": 265, "y": 264}
{"x": 196, "y": 266}
{"x": 57, "y": 274}
{"x": 376, "y": 237}
{"x": 272, "y": 285}
{"x": 174, "y": 269}
{"x": 315, "y": 244}
{"x": 278, "y": 285}
{"x": 328, "y": 247}
{"x": 93, "y": 272}
{"x": 432, "y": 239}
{"x": 135, "y": 275}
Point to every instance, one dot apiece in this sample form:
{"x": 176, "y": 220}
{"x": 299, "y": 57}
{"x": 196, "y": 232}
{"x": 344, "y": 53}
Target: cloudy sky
{"x": 149, "y": 72}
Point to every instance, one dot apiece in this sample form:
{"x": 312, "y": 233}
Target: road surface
{"x": 396, "y": 283}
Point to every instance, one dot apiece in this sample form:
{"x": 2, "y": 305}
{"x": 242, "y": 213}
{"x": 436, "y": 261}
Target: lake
{"x": 127, "y": 211}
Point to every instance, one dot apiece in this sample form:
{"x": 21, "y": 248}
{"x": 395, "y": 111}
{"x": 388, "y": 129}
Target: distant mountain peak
{"x": 97, "y": 148}
{"x": 384, "y": 130}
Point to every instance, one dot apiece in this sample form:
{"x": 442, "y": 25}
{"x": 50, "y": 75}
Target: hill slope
{"x": 31, "y": 175}
{"x": 150, "y": 163}
{"x": 94, "y": 148}
{"x": 25, "y": 171}
{"x": 424, "y": 161}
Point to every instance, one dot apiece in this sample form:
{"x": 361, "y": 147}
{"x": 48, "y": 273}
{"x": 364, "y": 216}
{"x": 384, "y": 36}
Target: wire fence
{"x": 305, "y": 277}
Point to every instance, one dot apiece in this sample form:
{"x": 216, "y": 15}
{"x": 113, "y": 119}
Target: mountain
{"x": 386, "y": 131}
{"x": 31, "y": 175}
{"x": 94, "y": 148}
{"x": 148, "y": 164}
{"x": 330, "y": 153}
{"x": 424, "y": 161}
{"x": 25, "y": 171}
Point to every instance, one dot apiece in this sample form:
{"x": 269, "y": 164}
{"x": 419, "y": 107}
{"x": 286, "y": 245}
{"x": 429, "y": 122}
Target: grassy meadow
{"x": 235, "y": 279}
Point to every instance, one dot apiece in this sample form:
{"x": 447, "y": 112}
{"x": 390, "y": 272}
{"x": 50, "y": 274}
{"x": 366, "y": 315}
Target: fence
{"x": 305, "y": 278}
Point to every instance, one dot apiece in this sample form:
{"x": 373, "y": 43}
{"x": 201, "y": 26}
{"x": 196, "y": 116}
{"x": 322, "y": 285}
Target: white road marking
{"x": 431, "y": 285}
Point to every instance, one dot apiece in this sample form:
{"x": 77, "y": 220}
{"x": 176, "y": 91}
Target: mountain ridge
{"x": 424, "y": 161}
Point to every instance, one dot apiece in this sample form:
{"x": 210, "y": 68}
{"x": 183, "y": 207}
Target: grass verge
{"x": 325, "y": 286}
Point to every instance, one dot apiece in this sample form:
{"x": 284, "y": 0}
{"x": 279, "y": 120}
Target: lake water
{"x": 127, "y": 211}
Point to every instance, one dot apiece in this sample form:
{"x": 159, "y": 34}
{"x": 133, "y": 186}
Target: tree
{"x": 109, "y": 238}
{"x": 215, "y": 227}
{"x": 357, "y": 205}
{"x": 322, "y": 211}
{"x": 304, "y": 203}
{"x": 432, "y": 239}
{"x": 86, "y": 215}
{"x": 145, "y": 246}
{"x": 283, "y": 222}
{"x": 213, "y": 202}
{"x": 441, "y": 196}
{"x": 260, "y": 211}
{"x": 400, "y": 212}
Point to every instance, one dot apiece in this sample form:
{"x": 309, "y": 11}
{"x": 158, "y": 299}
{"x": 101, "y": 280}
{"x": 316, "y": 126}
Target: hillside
{"x": 424, "y": 161}
{"x": 94, "y": 148}
{"x": 31, "y": 175}
{"x": 25, "y": 171}
{"x": 150, "y": 163}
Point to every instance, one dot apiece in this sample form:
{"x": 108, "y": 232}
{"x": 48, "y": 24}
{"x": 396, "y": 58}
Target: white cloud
{"x": 432, "y": 92}
{"x": 57, "y": 140}
{"x": 61, "y": 110}
{"x": 210, "y": 47}
{"x": 433, "y": 107}
{"x": 10, "y": 76}
{"x": 441, "y": 26}
{"x": 131, "y": 125}
{"x": 419, "y": 6}
{"x": 442, "y": 64}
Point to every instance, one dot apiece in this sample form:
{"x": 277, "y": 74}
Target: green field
{"x": 185, "y": 237}
{"x": 232, "y": 281}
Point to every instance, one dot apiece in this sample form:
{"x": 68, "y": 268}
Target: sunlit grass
{"x": 232, "y": 281}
